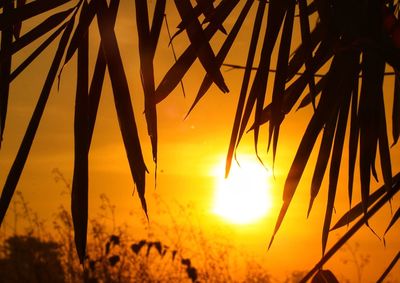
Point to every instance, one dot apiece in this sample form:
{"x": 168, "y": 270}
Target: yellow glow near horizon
{"x": 244, "y": 197}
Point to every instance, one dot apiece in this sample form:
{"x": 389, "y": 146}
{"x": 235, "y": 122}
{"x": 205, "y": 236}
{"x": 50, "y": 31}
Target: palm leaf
{"x": 18, "y": 26}
{"x": 357, "y": 210}
{"x": 5, "y": 68}
{"x": 43, "y": 28}
{"x": 36, "y": 52}
{"x": 98, "y": 76}
{"x": 280, "y": 79}
{"x": 28, "y": 11}
{"x": 122, "y": 100}
{"x": 256, "y": 97}
{"x": 396, "y": 109}
{"x": 245, "y": 84}
{"x": 80, "y": 181}
{"x": 23, "y": 152}
{"x": 87, "y": 14}
{"x": 389, "y": 268}
{"x": 306, "y": 41}
{"x": 356, "y": 227}
{"x": 335, "y": 163}
{"x": 147, "y": 47}
{"x": 175, "y": 74}
{"x": 223, "y": 52}
{"x": 197, "y": 37}
{"x": 353, "y": 139}
{"x": 373, "y": 69}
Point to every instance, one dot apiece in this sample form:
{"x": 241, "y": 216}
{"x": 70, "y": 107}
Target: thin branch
{"x": 234, "y": 66}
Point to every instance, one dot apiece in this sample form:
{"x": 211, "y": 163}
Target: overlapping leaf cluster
{"x": 347, "y": 48}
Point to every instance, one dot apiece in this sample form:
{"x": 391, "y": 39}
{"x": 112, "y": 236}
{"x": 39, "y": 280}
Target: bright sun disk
{"x": 244, "y": 197}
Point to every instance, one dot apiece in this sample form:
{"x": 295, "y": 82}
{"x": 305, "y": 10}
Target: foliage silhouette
{"x": 28, "y": 259}
{"x": 114, "y": 255}
{"x": 355, "y": 40}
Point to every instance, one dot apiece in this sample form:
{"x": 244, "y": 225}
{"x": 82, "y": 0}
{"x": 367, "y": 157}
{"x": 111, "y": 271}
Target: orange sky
{"x": 188, "y": 150}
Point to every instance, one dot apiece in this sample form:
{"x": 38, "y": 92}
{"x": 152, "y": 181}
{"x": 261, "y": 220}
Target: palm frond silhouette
{"x": 347, "y": 48}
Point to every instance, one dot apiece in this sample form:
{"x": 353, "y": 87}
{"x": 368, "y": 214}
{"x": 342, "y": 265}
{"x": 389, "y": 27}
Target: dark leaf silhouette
{"x": 245, "y": 84}
{"x": 80, "y": 181}
{"x": 207, "y": 81}
{"x": 182, "y": 65}
{"x": 338, "y": 67}
{"x": 113, "y": 260}
{"x": 138, "y": 246}
{"x": 27, "y": 11}
{"x": 389, "y": 268}
{"x": 5, "y": 68}
{"x": 41, "y": 29}
{"x": 357, "y": 210}
{"x": 122, "y": 101}
{"x": 87, "y": 14}
{"x": 324, "y": 276}
{"x": 37, "y": 52}
{"x": 19, "y": 162}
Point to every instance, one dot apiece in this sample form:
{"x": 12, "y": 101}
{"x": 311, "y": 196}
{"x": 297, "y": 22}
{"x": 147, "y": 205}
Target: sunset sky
{"x": 192, "y": 152}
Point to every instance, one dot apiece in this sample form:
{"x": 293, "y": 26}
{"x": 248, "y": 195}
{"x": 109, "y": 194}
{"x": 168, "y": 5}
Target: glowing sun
{"x": 245, "y": 196}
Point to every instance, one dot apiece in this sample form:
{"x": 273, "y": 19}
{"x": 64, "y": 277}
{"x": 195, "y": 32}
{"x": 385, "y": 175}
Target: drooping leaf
{"x": 208, "y": 10}
{"x": 202, "y": 7}
{"x": 36, "y": 52}
{"x": 245, "y": 84}
{"x": 197, "y": 37}
{"x": 280, "y": 80}
{"x": 29, "y": 10}
{"x": 87, "y": 14}
{"x": 22, "y": 155}
{"x": 98, "y": 76}
{"x": 297, "y": 168}
{"x": 383, "y": 141}
{"x": 146, "y": 53}
{"x": 356, "y": 227}
{"x": 159, "y": 13}
{"x": 223, "y": 52}
{"x": 357, "y": 210}
{"x": 389, "y": 268}
{"x": 396, "y": 109}
{"x": 353, "y": 139}
{"x": 318, "y": 88}
{"x": 294, "y": 91}
{"x": 306, "y": 41}
{"x": 122, "y": 100}
{"x": 322, "y": 160}
{"x": 276, "y": 14}
{"x": 80, "y": 181}
{"x": 368, "y": 113}
{"x": 17, "y": 27}
{"x": 5, "y": 68}
{"x": 336, "y": 157}
{"x": 43, "y": 28}
{"x": 299, "y": 56}
{"x": 175, "y": 74}
{"x": 330, "y": 99}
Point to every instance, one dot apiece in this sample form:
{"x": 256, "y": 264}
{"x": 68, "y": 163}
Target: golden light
{"x": 245, "y": 196}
